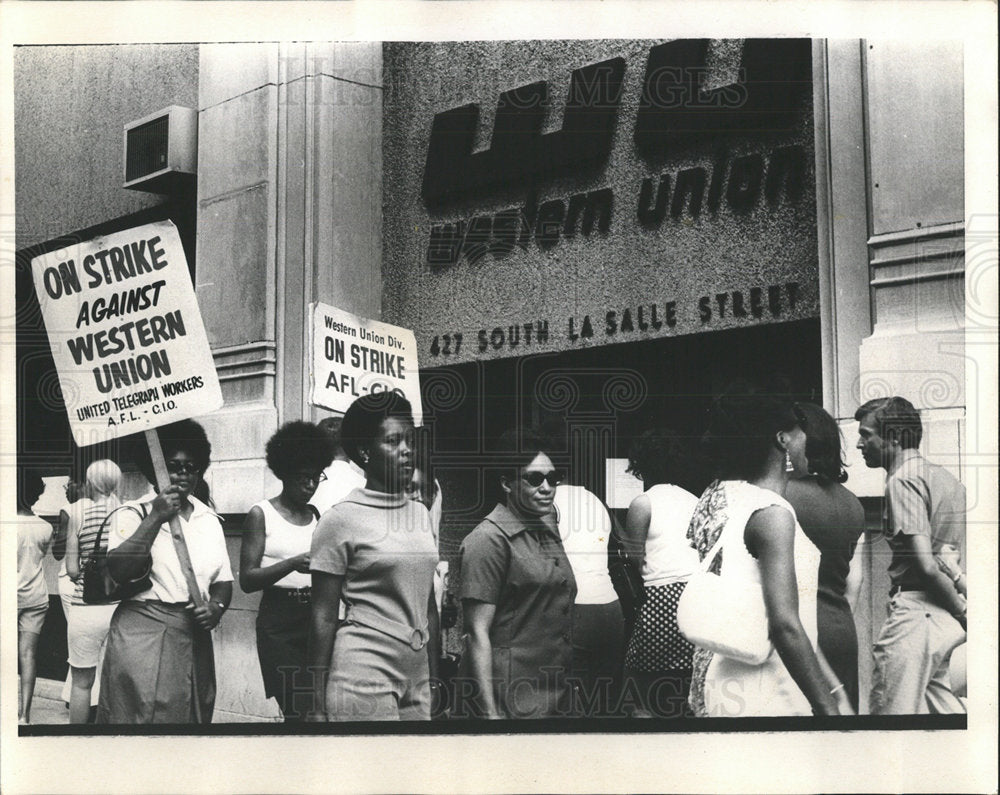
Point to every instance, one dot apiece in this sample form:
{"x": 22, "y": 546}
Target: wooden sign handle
{"x": 162, "y": 481}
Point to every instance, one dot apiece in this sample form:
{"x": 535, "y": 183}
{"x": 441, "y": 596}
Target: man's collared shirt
{"x": 342, "y": 477}
{"x": 921, "y": 499}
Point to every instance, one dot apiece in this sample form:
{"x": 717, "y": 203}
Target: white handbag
{"x": 725, "y": 615}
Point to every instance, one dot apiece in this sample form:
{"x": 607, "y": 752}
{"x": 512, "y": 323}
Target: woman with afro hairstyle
{"x": 274, "y": 558}
{"x": 375, "y": 549}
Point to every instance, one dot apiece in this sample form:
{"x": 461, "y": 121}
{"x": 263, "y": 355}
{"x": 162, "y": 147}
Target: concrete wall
{"x": 70, "y": 106}
{"x": 892, "y": 240}
{"x": 289, "y": 212}
{"x": 679, "y": 259}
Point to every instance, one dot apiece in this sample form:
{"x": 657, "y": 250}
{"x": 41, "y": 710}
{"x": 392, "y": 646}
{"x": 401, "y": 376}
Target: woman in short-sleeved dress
{"x": 375, "y": 549}
{"x": 518, "y": 590}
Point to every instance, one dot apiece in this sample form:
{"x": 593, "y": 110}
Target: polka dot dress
{"x": 656, "y": 643}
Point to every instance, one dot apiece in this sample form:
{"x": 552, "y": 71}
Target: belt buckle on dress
{"x": 418, "y": 639}
{"x": 302, "y": 595}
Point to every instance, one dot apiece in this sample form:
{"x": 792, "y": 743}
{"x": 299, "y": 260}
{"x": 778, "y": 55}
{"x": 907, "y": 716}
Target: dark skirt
{"x": 282, "y": 632}
{"x": 159, "y": 667}
{"x": 656, "y": 643}
{"x": 598, "y": 641}
{"x": 838, "y": 639}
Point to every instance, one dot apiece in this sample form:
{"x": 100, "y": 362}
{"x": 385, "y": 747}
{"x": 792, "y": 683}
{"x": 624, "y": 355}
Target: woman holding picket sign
{"x": 159, "y": 666}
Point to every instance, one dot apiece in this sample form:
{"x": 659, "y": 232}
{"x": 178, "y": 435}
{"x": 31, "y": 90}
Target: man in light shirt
{"x": 598, "y": 623}
{"x": 925, "y": 513}
{"x": 342, "y": 476}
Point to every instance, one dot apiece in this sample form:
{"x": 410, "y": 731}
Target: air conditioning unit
{"x": 161, "y": 151}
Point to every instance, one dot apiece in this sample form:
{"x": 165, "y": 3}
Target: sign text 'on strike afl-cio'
{"x": 354, "y": 356}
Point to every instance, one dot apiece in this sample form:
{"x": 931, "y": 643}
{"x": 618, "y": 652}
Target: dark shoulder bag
{"x": 98, "y": 586}
{"x": 625, "y": 578}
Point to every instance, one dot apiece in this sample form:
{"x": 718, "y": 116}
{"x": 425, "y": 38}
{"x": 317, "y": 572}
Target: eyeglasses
{"x": 309, "y": 480}
{"x": 182, "y": 467}
{"x": 534, "y": 479}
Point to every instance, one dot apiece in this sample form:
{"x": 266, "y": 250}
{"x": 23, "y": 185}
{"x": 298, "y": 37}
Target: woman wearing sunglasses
{"x": 517, "y": 594}
{"x": 274, "y": 558}
{"x": 159, "y": 665}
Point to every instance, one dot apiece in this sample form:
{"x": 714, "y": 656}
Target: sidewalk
{"x": 47, "y": 707}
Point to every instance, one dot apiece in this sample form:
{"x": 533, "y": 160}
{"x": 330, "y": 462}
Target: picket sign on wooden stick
{"x": 162, "y": 481}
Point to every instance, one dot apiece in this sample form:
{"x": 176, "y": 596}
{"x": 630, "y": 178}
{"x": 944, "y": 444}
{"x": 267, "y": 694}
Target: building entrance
{"x": 595, "y": 401}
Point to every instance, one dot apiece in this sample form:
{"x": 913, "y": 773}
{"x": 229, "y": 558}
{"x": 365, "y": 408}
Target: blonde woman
{"x": 87, "y": 625}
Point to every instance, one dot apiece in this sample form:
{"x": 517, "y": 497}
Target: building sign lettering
{"x": 518, "y": 149}
{"x": 770, "y": 302}
{"x": 676, "y": 106}
{"x": 674, "y": 195}
{"x": 739, "y": 180}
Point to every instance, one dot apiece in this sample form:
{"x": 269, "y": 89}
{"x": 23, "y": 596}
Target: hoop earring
{"x": 788, "y": 463}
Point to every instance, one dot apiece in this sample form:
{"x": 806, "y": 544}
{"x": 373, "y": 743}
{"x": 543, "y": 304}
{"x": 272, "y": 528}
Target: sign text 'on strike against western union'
{"x": 125, "y": 332}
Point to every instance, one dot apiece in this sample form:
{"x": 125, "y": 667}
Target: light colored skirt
{"x": 159, "y": 667}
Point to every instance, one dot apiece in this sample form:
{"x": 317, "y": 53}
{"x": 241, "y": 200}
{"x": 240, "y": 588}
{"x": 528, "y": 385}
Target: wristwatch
{"x": 220, "y": 604}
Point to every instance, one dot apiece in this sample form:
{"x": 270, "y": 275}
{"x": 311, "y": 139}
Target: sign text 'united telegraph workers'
{"x": 126, "y": 334}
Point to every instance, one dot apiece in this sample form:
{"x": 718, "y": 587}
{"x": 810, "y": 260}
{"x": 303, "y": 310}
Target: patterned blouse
{"x": 706, "y": 526}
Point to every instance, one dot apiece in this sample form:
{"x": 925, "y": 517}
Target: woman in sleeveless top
{"x": 274, "y": 558}
{"x": 658, "y": 657}
{"x": 375, "y": 549}
{"x": 87, "y": 625}
{"x": 598, "y": 622}
{"x": 755, "y": 442}
{"x": 833, "y": 519}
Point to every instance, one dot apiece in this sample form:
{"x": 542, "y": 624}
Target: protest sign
{"x": 354, "y": 356}
{"x": 126, "y": 334}
{"x": 128, "y": 343}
